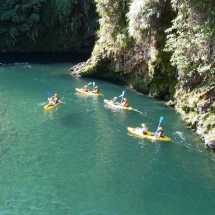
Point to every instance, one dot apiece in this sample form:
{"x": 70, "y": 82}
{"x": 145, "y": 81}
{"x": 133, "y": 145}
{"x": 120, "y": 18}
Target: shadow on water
{"x": 65, "y": 57}
{"x": 70, "y": 119}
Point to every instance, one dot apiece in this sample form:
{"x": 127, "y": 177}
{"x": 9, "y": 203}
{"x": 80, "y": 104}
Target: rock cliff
{"x": 152, "y": 52}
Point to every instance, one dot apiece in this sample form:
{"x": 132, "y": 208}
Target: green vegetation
{"x": 42, "y": 25}
{"x": 132, "y": 37}
{"x": 191, "y": 38}
{"x": 174, "y": 39}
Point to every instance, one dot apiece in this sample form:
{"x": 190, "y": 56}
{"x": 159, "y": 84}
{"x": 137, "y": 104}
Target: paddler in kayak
{"x": 96, "y": 90}
{"x": 159, "y": 132}
{"x": 85, "y": 88}
{"x": 144, "y": 128}
{"x": 51, "y": 101}
{"x": 55, "y": 98}
{"x": 125, "y": 103}
{"x": 115, "y": 101}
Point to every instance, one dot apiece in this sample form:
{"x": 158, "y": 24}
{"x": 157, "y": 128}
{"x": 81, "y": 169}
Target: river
{"x": 79, "y": 158}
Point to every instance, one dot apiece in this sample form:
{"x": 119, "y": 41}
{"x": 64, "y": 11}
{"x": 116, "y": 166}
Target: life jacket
{"x": 144, "y": 130}
{"x": 161, "y": 132}
{"x": 114, "y": 100}
{"x": 86, "y": 89}
{"x": 55, "y": 99}
{"x": 125, "y": 103}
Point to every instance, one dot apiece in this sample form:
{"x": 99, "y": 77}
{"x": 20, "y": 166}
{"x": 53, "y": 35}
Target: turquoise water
{"x": 79, "y": 159}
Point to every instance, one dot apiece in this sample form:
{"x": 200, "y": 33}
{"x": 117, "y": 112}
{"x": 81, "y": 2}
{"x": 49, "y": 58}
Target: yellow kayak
{"x": 149, "y": 135}
{"x": 88, "y": 93}
{"x": 110, "y": 103}
{"x": 49, "y": 107}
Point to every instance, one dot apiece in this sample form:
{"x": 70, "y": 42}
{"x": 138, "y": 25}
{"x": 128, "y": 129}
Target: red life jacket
{"x": 125, "y": 103}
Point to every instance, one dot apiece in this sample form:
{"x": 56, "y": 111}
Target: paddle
{"x": 48, "y": 93}
{"x": 83, "y": 88}
{"x": 93, "y": 87}
{"x": 104, "y": 103}
{"x": 62, "y": 101}
{"x": 123, "y": 92}
{"x": 160, "y": 121}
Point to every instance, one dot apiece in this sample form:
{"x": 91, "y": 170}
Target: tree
{"x": 191, "y": 38}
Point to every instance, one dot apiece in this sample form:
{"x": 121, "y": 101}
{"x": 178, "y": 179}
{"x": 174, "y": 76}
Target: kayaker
{"x": 96, "y": 90}
{"x": 56, "y": 98}
{"x": 160, "y": 132}
{"x": 115, "y": 101}
{"x": 125, "y": 103}
{"x": 85, "y": 88}
{"x": 144, "y": 128}
{"x": 51, "y": 101}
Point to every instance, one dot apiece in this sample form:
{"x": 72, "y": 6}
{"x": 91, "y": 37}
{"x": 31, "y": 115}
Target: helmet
{"x": 85, "y": 86}
{"x": 96, "y": 86}
{"x": 115, "y": 97}
{"x": 124, "y": 99}
{"x": 143, "y": 125}
{"x": 55, "y": 94}
{"x": 160, "y": 128}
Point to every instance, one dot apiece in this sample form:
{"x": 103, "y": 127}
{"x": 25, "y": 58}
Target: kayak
{"x": 49, "y": 107}
{"x": 88, "y": 93}
{"x": 110, "y": 103}
{"x": 149, "y": 135}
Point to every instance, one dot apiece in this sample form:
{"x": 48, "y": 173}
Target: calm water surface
{"x": 79, "y": 159}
